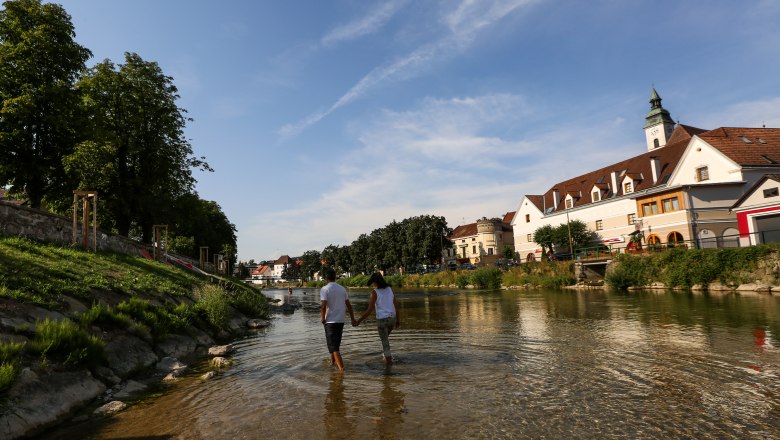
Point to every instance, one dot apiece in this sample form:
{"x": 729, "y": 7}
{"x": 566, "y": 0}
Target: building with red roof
{"x": 481, "y": 242}
{"x": 679, "y": 192}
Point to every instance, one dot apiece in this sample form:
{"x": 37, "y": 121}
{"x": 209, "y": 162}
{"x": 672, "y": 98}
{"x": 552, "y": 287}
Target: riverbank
{"x": 79, "y": 329}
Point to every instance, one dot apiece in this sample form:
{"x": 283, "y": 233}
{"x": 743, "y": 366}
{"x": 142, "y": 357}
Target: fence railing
{"x": 728, "y": 241}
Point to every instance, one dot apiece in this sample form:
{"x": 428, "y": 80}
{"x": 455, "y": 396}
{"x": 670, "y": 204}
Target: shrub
{"x": 212, "y": 304}
{"x": 630, "y": 270}
{"x": 249, "y": 302}
{"x": 487, "y": 278}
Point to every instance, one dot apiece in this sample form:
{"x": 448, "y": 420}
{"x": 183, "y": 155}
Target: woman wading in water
{"x": 387, "y": 317}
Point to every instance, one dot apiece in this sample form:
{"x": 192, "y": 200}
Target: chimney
{"x": 615, "y": 186}
{"x": 556, "y": 196}
{"x": 655, "y": 168}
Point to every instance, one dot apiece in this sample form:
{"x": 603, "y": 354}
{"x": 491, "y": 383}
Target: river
{"x": 490, "y": 364}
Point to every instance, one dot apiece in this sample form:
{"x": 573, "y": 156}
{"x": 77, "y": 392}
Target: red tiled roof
{"x": 637, "y": 167}
{"x": 537, "y": 200}
{"x": 284, "y": 259}
{"x": 508, "y": 217}
{"x": 464, "y": 231}
{"x": 747, "y": 146}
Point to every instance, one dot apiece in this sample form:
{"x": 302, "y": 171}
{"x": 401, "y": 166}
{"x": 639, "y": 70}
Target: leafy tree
{"x": 292, "y": 272}
{"x": 581, "y": 236}
{"x": 39, "y": 63}
{"x": 509, "y": 252}
{"x": 136, "y": 130}
{"x": 545, "y": 236}
{"x": 182, "y": 245}
{"x": 205, "y": 222}
{"x": 311, "y": 263}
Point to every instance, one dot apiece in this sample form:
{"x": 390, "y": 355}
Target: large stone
{"x": 36, "y": 402}
{"x": 128, "y": 354}
{"x": 178, "y": 346}
{"x": 220, "y": 362}
{"x": 169, "y": 364}
{"x": 109, "y": 408}
{"x": 258, "y": 323}
{"x": 221, "y": 350}
{"x": 130, "y": 389}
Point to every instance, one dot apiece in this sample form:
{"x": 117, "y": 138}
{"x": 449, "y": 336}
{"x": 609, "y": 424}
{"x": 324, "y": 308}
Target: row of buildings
{"x": 693, "y": 187}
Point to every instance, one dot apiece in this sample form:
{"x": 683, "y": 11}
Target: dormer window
{"x": 569, "y": 202}
{"x": 596, "y": 196}
{"x": 628, "y": 187}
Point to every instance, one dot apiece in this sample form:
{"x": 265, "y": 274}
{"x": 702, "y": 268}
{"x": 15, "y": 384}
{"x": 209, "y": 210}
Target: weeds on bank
{"x": 686, "y": 268}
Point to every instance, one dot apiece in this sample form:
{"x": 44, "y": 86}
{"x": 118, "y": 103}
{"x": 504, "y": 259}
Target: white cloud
{"x": 747, "y": 114}
{"x": 366, "y": 25}
{"x": 464, "y": 25}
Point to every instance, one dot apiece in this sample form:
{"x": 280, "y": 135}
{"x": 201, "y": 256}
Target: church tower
{"x": 658, "y": 124}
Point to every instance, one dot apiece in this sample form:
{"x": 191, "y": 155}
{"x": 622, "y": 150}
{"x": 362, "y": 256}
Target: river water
{"x": 491, "y": 364}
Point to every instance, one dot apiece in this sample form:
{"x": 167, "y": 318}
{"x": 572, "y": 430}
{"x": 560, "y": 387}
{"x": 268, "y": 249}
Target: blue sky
{"x": 327, "y": 119}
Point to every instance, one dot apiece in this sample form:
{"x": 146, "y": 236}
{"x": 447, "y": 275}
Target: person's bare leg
{"x": 337, "y": 359}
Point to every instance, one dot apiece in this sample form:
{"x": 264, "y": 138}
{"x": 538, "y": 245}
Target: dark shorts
{"x": 333, "y": 332}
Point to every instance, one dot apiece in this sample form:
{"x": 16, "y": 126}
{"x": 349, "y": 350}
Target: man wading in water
{"x": 335, "y": 302}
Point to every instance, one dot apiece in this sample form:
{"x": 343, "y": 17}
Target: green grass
{"x": 64, "y": 341}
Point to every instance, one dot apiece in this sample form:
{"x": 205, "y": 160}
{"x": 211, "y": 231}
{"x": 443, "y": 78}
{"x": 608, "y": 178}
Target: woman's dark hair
{"x": 377, "y": 278}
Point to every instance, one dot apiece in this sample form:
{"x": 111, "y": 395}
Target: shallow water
{"x": 536, "y": 364}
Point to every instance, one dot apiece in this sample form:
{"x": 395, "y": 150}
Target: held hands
{"x": 355, "y": 322}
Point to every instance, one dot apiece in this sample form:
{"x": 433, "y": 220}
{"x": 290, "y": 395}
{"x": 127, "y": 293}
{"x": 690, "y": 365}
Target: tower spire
{"x": 658, "y": 123}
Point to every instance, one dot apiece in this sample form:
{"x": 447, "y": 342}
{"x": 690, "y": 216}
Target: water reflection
{"x": 477, "y": 364}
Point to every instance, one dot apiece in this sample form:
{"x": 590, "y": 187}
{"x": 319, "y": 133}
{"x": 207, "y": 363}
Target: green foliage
{"x": 545, "y": 274}
{"x": 8, "y": 373}
{"x": 487, "y": 278}
{"x": 39, "y": 61}
{"x": 67, "y": 342}
{"x": 213, "y": 305}
{"x": 251, "y": 303}
{"x": 686, "y": 268}
{"x": 462, "y": 280}
{"x": 183, "y": 246}
{"x": 545, "y": 237}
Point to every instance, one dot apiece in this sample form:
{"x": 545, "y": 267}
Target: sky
{"x": 327, "y": 119}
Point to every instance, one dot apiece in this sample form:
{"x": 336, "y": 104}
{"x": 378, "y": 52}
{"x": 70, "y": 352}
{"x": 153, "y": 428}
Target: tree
{"x": 311, "y": 263}
{"x": 292, "y": 272}
{"x": 205, "y": 222}
{"x": 39, "y": 63}
{"x": 509, "y": 252}
{"x": 136, "y": 126}
{"x": 545, "y": 236}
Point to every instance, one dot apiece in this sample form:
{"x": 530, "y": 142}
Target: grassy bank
{"x": 687, "y": 268}
{"x": 120, "y": 293}
{"x": 543, "y": 274}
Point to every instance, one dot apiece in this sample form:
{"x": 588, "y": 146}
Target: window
{"x": 596, "y": 196}
{"x": 674, "y": 239}
{"x": 653, "y": 240}
{"x": 569, "y": 203}
{"x": 771, "y": 192}
{"x": 628, "y": 187}
{"x": 599, "y": 225}
{"x": 649, "y": 209}
{"x": 473, "y": 249}
{"x": 528, "y": 218}
{"x": 671, "y": 204}
{"x": 656, "y": 144}
{"x": 702, "y": 173}
{"x": 490, "y": 251}
{"x": 530, "y": 237}
{"x": 473, "y": 239}
{"x": 631, "y": 219}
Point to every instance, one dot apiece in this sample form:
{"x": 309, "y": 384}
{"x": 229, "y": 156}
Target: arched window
{"x": 730, "y": 237}
{"x": 656, "y": 144}
{"x": 674, "y": 239}
{"x": 530, "y": 258}
{"x": 707, "y": 239}
{"x": 653, "y": 240}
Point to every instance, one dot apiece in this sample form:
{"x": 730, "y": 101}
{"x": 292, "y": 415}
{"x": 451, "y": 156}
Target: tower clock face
{"x": 654, "y": 131}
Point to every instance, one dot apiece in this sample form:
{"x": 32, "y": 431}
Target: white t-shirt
{"x": 337, "y": 297}
{"x": 384, "y": 303}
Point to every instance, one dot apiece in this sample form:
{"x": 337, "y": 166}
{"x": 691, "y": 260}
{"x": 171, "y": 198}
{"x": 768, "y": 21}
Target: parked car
{"x": 467, "y": 266}
{"x": 505, "y": 262}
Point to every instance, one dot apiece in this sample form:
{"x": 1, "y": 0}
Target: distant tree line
{"x": 399, "y": 246}
{"x": 111, "y": 128}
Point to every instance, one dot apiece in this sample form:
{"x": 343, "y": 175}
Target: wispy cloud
{"x": 464, "y": 25}
{"x": 747, "y": 114}
{"x": 363, "y": 26}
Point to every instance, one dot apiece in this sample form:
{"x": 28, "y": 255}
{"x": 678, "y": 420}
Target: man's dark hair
{"x": 329, "y": 274}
